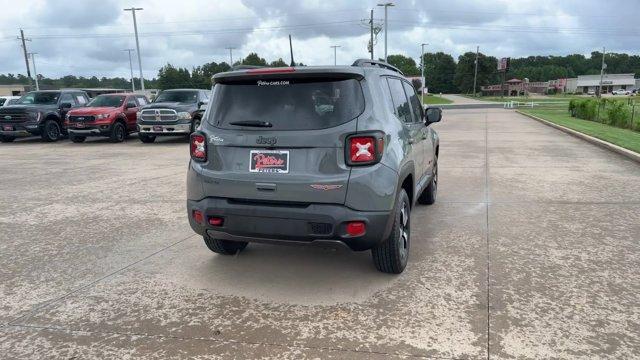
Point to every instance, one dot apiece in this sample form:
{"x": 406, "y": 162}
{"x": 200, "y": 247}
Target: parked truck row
{"x": 55, "y": 114}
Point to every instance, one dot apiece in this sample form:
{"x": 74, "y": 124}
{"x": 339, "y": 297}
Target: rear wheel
{"x": 6, "y": 139}
{"x": 118, "y": 133}
{"x": 51, "y": 131}
{"x": 76, "y": 138}
{"x": 391, "y": 255}
{"x": 224, "y": 247}
{"x": 147, "y": 139}
{"x": 428, "y": 196}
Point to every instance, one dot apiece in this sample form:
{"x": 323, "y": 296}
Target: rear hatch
{"x": 279, "y": 138}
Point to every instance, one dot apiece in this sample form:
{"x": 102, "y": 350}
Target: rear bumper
{"x": 312, "y": 224}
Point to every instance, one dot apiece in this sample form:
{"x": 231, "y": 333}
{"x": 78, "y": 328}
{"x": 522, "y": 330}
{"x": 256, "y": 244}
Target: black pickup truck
{"x": 39, "y": 113}
{"x": 173, "y": 112}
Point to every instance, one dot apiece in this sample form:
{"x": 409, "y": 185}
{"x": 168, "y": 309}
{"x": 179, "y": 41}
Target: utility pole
{"x": 135, "y": 29}
{"x": 422, "y": 65}
{"x": 35, "y": 71}
{"x": 386, "y": 27}
{"x": 230, "y": 55}
{"x": 24, "y": 51}
{"x": 475, "y": 72}
{"x": 371, "y": 29}
{"x": 602, "y": 72}
{"x": 133, "y": 84}
{"x": 335, "y": 54}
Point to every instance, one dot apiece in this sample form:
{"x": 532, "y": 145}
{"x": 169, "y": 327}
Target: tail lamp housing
{"x": 198, "y": 145}
{"x": 364, "y": 148}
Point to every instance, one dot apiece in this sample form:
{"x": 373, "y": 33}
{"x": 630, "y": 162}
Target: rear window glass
{"x": 294, "y": 104}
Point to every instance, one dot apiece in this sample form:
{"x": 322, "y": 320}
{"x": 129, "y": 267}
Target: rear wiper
{"x": 253, "y": 123}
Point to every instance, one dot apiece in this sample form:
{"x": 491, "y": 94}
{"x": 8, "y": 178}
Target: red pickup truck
{"x": 110, "y": 115}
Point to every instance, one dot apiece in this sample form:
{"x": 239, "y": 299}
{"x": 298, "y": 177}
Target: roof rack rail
{"x": 246, "y": 67}
{"x": 378, "y": 63}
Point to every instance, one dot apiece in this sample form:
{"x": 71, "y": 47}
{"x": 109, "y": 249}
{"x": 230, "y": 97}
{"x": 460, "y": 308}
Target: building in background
{"x": 610, "y": 82}
{"x": 516, "y": 87}
{"x": 13, "y": 90}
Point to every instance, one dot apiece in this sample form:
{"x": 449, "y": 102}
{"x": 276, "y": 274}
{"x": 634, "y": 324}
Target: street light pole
{"x": 230, "y": 55}
{"x": 133, "y": 84}
{"x": 335, "y": 54}
{"x": 35, "y": 71}
{"x": 135, "y": 29}
{"x": 475, "y": 72}
{"x": 422, "y": 65}
{"x": 386, "y": 28}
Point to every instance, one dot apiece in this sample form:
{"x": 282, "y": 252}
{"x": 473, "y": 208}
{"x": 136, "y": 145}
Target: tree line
{"x": 443, "y": 73}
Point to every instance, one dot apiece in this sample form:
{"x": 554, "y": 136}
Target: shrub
{"x": 618, "y": 114}
{"x": 573, "y": 104}
{"x": 587, "y": 109}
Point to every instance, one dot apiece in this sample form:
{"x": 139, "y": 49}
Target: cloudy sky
{"x": 87, "y": 37}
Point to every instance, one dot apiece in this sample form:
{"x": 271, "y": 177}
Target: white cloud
{"x": 189, "y": 33}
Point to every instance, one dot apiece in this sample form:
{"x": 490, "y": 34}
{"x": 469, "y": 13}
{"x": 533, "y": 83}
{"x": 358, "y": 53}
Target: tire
{"x": 51, "y": 131}
{"x": 77, "y": 139}
{"x": 147, "y": 139}
{"x": 428, "y": 196}
{"x": 195, "y": 124}
{"x": 391, "y": 255}
{"x": 118, "y": 132}
{"x": 6, "y": 139}
{"x": 224, "y": 247}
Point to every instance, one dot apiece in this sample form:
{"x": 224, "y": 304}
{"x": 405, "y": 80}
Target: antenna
{"x": 291, "y": 49}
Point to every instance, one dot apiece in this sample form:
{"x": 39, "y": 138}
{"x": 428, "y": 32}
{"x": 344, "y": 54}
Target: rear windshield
{"x": 106, "y": 101}
{"x": 295, "y": 104}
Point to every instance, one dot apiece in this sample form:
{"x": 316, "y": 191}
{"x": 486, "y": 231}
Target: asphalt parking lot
{"x": 532, "y": 251}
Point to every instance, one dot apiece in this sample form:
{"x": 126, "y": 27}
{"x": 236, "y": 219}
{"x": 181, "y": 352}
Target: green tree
{"x": 170, "y": 77}
{"x": 439, "y": 72}
{"x": 487, "y": 72}
{"x": 254, "y": 59}
{"x": 278, "y": 63}
{"x": 406, "y": 64}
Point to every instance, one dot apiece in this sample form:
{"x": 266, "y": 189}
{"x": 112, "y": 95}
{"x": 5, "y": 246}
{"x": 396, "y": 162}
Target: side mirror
{"x": 65, "y": 106}
{"x": 433, "y": 115}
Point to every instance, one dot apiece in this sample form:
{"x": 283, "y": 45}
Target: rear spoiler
{"x": 283, "y": 73}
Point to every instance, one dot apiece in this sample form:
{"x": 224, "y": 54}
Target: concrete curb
{"x": 601, "y": 143}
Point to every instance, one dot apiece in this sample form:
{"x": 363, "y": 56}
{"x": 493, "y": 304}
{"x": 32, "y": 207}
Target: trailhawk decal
{"x": 269, "y": 161}
{"x": 325, "y": 187}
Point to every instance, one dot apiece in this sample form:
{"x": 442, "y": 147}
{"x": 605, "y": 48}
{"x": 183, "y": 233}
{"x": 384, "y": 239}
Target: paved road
{"x": 532, "y": 251}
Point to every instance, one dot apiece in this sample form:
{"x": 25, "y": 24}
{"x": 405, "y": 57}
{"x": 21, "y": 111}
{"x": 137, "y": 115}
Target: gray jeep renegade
{"x": 313, "y": 155}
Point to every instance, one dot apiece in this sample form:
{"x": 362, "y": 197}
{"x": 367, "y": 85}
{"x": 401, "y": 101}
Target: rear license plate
{"x": 269, "y": 161}
{"x": 80, "y": 125}
{"x": 7, "y": 128}
{"x": 157, "y": 128}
